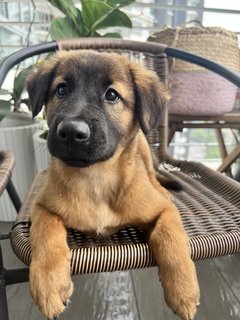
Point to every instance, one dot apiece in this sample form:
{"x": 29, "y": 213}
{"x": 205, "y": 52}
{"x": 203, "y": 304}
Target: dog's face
{"x": 94, "y": 103}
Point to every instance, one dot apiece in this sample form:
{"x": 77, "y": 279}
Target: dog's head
{"x": 94, "y": 102}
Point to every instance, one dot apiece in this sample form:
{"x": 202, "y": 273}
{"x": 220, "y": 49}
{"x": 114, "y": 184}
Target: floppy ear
{"x": 38, "y": 84}
{"x": 151, "y": 96}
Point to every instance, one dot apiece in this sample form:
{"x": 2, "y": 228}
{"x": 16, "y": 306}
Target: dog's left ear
{"x": 38, "y": 84}
{"x": 151, "y": 96}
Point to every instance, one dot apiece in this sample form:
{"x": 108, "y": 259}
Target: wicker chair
{"x": 229, "y": 120}
{"x": 209, "y": 201}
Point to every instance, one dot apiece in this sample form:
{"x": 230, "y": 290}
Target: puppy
{"x": 99, "y": 107}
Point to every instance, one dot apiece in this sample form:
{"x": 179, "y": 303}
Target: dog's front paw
{"x": 51, "y": 287}
{"x": 181, "y": 290}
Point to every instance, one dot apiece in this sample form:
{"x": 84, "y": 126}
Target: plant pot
{"x": 42, "y": 154}
{"x": 16, "y": 134}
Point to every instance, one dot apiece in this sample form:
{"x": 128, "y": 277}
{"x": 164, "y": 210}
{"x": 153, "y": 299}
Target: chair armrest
{"x": 7, "y": 164}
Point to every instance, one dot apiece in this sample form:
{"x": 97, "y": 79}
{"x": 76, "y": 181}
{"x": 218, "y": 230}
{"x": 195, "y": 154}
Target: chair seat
{"x": 209, "y": 204}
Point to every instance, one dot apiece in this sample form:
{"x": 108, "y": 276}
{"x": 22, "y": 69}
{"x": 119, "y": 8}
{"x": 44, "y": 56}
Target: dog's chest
{"x": 94, "y": 218}
{"x": 87, "y": 207}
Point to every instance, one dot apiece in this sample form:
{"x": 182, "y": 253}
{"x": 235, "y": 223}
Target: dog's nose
{"x": 75, "y": 131}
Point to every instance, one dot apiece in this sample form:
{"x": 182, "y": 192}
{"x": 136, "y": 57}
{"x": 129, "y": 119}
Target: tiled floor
{"x": 134, "y": 295}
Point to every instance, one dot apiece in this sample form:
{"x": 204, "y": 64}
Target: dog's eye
{"x": 112, "y": 95}
{"x": 61, "y": 90}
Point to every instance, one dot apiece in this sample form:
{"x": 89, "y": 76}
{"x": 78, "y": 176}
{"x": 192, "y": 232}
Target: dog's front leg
{"x": 50, "y": 280}
{"x": 170, "y": 246}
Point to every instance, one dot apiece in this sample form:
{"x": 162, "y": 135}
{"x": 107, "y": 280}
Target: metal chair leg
{"x": 14, "y": 196}
{"x": 3, "y": 295}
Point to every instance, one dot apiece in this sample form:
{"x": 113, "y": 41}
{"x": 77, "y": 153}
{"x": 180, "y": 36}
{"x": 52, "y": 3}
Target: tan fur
{"x": 103, "y": 198}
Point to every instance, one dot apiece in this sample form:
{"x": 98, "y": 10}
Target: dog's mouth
{"x": 85, "y": 162}
{"x": 80, "y": 163}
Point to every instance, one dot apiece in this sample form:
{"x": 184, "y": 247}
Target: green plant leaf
{"x": 67, "y": 7}
{"x": 93, "y": 10}
{"x": 5, "y": 107}
{"x": 63, "y": 28}
{"x": 95, "y": 34}
{"x": 112, "y": 19}
{"x": 19, "y": 83}
{"x": 112, "y": 35}
{"x": 71, "y": 12}
{"x": 119, "y": 3}
{"x": 79, "y": 24}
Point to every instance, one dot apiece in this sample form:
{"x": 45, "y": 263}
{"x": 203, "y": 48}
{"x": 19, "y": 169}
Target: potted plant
{"x": 42, "y": 156}
{"x": 16, "y": 131}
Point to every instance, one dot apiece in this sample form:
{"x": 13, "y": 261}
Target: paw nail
{"x": 65, "y": 303}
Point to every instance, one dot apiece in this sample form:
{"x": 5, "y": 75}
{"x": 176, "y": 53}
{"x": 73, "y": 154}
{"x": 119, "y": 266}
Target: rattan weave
{"x": 215, "y": 43}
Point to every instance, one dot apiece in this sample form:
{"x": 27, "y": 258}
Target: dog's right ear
{"x": 151, "y": 96}
{"x": 38, "y": 84}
